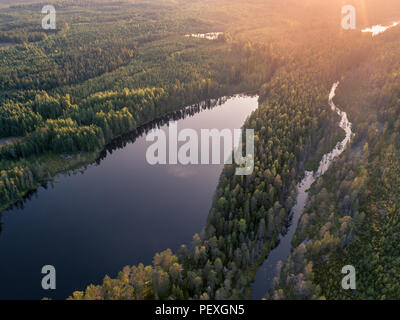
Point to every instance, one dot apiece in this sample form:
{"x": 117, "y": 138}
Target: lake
{"x": 119, "y": 211}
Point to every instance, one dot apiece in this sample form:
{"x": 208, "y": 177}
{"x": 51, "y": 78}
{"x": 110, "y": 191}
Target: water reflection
{"x": 208, "y": 36}
{"x": 132, "y": 136}
{"x": 31, "y": 194}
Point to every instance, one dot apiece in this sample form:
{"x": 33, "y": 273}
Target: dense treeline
{"x": 17, "y": 120}
{"x": 352, "y": 216}
{"x": 76, "y": 62}
{"x": 14, "y": 180}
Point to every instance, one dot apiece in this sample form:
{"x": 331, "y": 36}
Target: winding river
{"x": 268, "y": 269}
{"x": 119, "y": 211}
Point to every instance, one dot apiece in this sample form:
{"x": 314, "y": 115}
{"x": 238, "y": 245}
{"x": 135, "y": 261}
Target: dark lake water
{"x": 118, "y": 212}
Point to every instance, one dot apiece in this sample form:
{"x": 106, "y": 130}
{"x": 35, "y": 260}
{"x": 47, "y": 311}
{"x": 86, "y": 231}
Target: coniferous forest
{"x": 112, "y": 67}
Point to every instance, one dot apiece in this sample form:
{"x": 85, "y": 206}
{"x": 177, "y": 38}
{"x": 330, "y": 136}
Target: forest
{"x": 118, "y": 65}
{"x": 352, "y": 215}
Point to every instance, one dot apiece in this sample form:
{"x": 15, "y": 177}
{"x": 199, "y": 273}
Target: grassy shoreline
{"x": 57, "y": 165}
